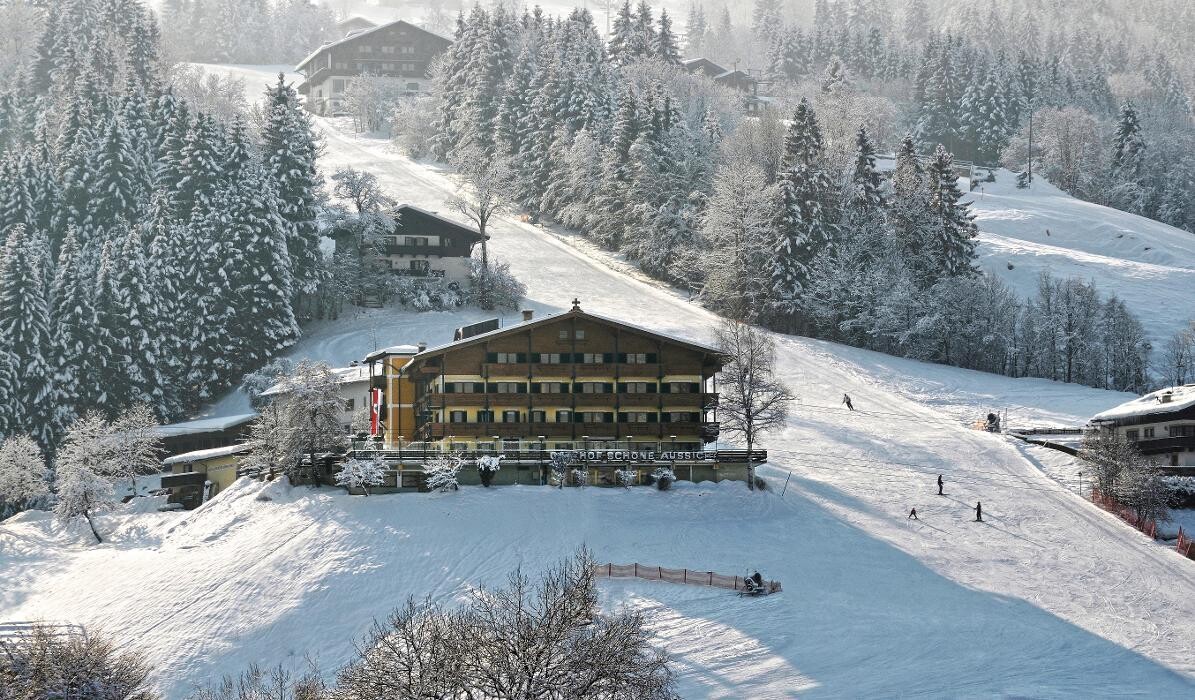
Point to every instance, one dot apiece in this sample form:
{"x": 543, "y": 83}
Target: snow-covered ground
{"x": 1049, "y": 597}
{"x": 1150, "y": 265}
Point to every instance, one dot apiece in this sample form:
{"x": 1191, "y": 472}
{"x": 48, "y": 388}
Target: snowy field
{"x": 1050, "y": 597}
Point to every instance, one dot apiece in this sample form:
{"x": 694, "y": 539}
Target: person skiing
{"x": 940, "y": 486}
{"x": 978, "y": 512}
{"x": 846, "y": 399}
{"x": 913, "y": 515}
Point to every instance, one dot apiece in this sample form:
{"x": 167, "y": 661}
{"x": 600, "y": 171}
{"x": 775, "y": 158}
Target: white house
{"x": 352, "y": 387}
{"x": 429, "y": 246}
{"x": 1160, "y": 424}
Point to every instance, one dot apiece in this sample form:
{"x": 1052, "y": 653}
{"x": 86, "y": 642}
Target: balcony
{"x": 403, "y": 249}
{"x": 422, "y": 274}
{"x": 633, "y": 400}
{"x": 621, "y": 369}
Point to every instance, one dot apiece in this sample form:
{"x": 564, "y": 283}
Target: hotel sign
{"x": 633, "y": 456}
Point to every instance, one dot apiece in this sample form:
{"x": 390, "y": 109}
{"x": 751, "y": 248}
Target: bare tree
{"x": 361, "y": 189}
{"x": 81, "y": 479}
{"x": 48, "y": 664}
{"x": 305, "y": 418}
{"x": 24, "y": 478}
{"x": 752, "y": 401}
{"x": 533, "y": 639}
{"x": 1178, "y": 357}
{"x": 483, "y": 186}
{"x": 135, "y": 445}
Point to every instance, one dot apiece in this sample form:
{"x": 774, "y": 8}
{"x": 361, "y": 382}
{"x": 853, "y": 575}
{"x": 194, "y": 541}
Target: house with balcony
{"x": 1161, "y": 425}
{"x": 608, "y": 392}
{"x": 428, "y": 246}
{"x": 398, "y": 50}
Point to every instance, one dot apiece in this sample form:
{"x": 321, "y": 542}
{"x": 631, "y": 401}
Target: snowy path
{"x": 1049, "y": 597}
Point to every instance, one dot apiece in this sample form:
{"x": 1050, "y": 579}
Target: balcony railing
{"x": 408, "y": 272}
{"x": 596, "y": 431}
{"x": 403, "y": 249}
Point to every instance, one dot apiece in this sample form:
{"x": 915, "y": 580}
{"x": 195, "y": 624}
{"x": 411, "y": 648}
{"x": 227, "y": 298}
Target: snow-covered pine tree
{"x": 143, "y": 320}
{"x": 621, "y": 46}
{"x": 664, "y": 44}
{"x": 737, "y": 233}
{"x": 74, "y": 342}
{"x": 25, "y": 331}
{"x": 289, "y": 150}
{"x": 953, "y": 231}
{"x": 111, "y": 334}
{"x": 114, "y": 186}
{"x": 201, "y": 167}
{"x": 806, "y": 221}
{"x": 1129, "y": 189}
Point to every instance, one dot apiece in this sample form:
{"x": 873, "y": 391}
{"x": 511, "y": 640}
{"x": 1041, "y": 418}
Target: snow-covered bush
{"x": 361, "y": 474}
{"x": 441, "y": 471}
{"x": 413, "y": 125}
{"x": 580, "y": 477}
{"x": 1180, "y": 485}
{"x": 561, "y": 461}
{"x": 626, "y": 477}
{"x": 664, "y": 477}
{"x": 420, "y": 295}
{"x": 24, "y": 480}
{"x": 45, "y": 663}
{"x": 487, "y": 467}
{"x": 499, "y": 289}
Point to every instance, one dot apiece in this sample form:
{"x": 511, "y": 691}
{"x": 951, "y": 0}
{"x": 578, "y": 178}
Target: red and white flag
{"x": 375, "y": 412}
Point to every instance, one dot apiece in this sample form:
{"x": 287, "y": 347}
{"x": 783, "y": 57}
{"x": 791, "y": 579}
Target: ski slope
{"x": 1148, "y": 264}
{"x": 1049, "y": 597}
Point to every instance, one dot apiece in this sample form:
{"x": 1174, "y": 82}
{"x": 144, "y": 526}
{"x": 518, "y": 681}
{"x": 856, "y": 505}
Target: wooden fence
{"x": 682, "y": 576}
{"x": 1185, "y": 545}
{"x": 15, "y": 631}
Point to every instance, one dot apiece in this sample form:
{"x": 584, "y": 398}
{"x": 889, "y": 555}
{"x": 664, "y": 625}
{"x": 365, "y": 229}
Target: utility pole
{"x": 1030, "y": 143}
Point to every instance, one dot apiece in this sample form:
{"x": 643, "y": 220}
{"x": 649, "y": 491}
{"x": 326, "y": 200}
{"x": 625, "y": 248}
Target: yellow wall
{"x": 221, "y": 471}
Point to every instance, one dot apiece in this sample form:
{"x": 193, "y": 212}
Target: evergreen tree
{"x": 25, "y": 332}
{"x": 289, "y": 151}
{"x": 76, "y": 372}
{"x": 622, "y": 35}
{"x": 140, "y": 347}
{"x": 953, "y": 232}
{"x": 664, "y": 44}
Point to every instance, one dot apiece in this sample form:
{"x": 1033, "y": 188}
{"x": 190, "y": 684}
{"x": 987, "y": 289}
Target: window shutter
{"x": 652, "y": 358}
{"x": 622, "y": 387}
{"x": 522, "y": 388}
{"x": 491, "y": 388}
{"x": 535, "y": 388}
{"x": 665, "y": 388}
{"x": 651, "y": 388}
{"x": 695, "y": 387}
{"x": 608, "y": 357}
{"x": 608, "y": 387}
{"x": 450, "y": 388}
{"x": 491, "y": 357}
{"x": 609, "y": 417}
{"x": 653, "y": 418}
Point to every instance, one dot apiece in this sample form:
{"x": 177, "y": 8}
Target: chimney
{"x": 527, "y": 314}
{"x": 422, "y": 345}
{"x": 1165, "y": 398}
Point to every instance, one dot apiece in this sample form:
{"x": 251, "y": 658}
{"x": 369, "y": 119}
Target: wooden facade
{"x": 398, "y": 50}
{"x": 569, "y": 381}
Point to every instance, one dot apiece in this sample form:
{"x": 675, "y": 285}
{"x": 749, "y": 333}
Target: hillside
{"x": 870, "y": 603}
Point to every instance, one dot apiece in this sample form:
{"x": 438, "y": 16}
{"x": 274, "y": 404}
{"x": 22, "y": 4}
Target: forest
{"x": 782, "y": 217}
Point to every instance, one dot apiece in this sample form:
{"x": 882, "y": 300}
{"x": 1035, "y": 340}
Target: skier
{"x": 913, "y": 515}
{"x": 846, "y": 399}
{"x": 978, "y": 512}
{"x": 940, "y": 486}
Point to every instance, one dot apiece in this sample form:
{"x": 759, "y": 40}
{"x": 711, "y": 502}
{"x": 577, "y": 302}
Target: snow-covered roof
{"x": 204, "y": 425}
{"x": 364, "y": 32}
{"x": 344, "y": 375}
{"x": 199, "y": 455}
{"x": 394, "y": 350}
{"x": 480, "y": 337}
{"x": 1179, "y": 398}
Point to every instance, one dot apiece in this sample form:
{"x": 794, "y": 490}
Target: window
{"x": 549, "y": 358}
{"x": 506, "y": 358}
{"x": 592, "y": 358}
{"x": 341, "y": 65}
{"x": 418, "y": 241}
{"x": 388, "y": 49}
{"x": 510, "y": 416}
{"x": 348, "y": 404}
{"x": 408, "y": 67}
{"x": 508, "y": 387}
{"x": 594, "y": 388}
{"x": 1130, "y": 434}
{"x": 683, "y": 387}
{"x": 538, "y": 417}
{"x": 636, "y": 387}
{"x": 1182, "y": 431}
{"x": 366, "y": 48}
{"x": 552, "y": 388}
{"x": 636, "y": 417}
{"x": 485, "y": 416}
{"x": 457, "y": 417}
{"x": 676, "y": 417}
{"x": 407, "y": 49}
{"x": 337, "y": 85}
{"x": 564, "y": 416}
{"x": 563, "y": 334}
{"x": 420, "y": 266}
{"x": 636, "y": 358}
{"x": 1147, "y": 433}
{"x": 594, "y": 417}
{"x": 580, "y": 334}
{"x": 444, "y": 242}
{"x": 463, "y": 388}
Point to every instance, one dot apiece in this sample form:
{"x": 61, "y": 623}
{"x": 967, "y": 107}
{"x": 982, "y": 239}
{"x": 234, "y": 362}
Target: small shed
{"x": 194, "y": 477}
